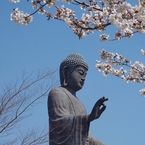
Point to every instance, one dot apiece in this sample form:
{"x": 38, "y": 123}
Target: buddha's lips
{"x": 82, "y": 83}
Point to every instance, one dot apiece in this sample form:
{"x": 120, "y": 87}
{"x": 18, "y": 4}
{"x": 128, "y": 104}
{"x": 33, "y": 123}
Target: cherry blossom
{"x": 95, "y": 16}
{"x": 104, "y": 37}
{"x": 135, "y": 73}
{"x": 20, "y": 18}
{"x": 143, "y": 52}
{"x": 142, "y": 92}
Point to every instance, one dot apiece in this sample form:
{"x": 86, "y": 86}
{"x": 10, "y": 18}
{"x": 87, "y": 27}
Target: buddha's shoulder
{"x": 57, "y": 91}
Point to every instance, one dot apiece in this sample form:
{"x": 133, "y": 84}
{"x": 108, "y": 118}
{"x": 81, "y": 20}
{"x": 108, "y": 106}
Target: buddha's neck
{"x": 71, "y": 90}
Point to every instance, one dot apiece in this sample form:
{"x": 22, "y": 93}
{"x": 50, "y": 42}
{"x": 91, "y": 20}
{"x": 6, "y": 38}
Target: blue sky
{"x": 46, "y": 43}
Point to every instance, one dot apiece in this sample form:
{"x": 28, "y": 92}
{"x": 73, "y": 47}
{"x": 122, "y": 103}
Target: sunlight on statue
{"x": 68, "y": 119}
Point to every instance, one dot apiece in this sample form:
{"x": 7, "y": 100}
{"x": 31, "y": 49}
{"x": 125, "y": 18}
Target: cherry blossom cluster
{"x": 110, "y": 63}
{"x": 20, "y": 18}
{"x": 97, "y": 16}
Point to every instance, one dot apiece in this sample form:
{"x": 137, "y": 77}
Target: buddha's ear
{"x": 65, "y": 75}
{"x": 65, "y": 71}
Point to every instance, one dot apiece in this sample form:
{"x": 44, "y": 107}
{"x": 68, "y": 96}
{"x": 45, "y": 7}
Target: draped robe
{"x": 68, "y": 120}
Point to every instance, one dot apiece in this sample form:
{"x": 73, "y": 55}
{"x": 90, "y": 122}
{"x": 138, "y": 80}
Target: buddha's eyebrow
{"x": 83, "y": 71}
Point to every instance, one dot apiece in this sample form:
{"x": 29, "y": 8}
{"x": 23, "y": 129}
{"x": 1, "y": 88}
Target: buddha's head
{"x": 73, "y": 72}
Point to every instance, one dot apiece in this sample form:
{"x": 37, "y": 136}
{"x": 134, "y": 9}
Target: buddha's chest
{"x": 77, "y": 106}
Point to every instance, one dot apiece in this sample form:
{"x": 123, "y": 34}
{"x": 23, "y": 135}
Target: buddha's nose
{"x": 83, "y": 78}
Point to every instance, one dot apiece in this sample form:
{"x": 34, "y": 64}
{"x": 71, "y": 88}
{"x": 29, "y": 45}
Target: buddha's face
{"x": 76, "y": 79}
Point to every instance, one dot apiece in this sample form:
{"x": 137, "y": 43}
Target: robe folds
{"x": 68, "y": 120}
